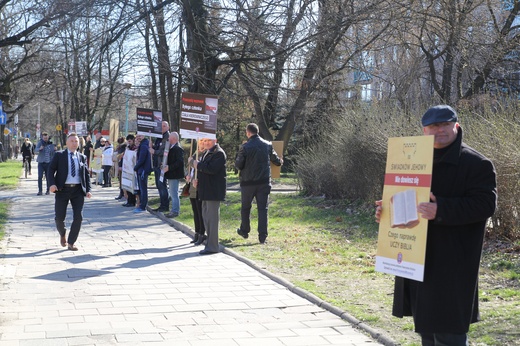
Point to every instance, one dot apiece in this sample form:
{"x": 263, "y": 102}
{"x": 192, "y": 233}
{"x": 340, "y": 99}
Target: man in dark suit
{"x": 70, "y": 180}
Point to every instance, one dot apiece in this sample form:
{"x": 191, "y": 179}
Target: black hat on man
{"x": 439, "y": 114}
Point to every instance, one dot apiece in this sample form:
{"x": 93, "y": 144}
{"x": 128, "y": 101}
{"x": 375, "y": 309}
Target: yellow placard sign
{"x": 401, "y": 246}
{"x": 58, "y": 127}
{"x": 275, "y": 170}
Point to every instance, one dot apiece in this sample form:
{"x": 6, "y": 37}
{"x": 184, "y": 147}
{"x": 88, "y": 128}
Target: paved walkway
{"x": 136, "y": 280}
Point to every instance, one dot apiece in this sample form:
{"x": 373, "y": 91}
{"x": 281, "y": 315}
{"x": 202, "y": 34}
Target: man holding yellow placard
{"x": 463, "y": 196}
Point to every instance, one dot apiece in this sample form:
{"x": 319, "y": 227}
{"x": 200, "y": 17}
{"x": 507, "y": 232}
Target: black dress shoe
{"x": 195, "y": 238}
{"x": 200, "y": 240}
{"x": 242, "y": 234}
{"x": 128, "y": 205}
{"x": 118, "y": 198}
{"x": 161, "y": 209}
{"x": 206, "y": 252}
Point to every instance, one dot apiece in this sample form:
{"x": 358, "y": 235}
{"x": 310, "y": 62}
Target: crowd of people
{"x": 98, "y": 162}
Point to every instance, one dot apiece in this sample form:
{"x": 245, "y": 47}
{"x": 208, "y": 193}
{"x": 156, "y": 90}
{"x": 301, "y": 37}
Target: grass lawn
{"x": 10, "y": 172}
{"x": 9, "y": 176}
{"x": 328, "y": 248}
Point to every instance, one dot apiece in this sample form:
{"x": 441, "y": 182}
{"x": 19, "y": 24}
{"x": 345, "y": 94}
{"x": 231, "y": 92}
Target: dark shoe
{"x": 128, "y": 205}
{"x": 47, "y": 192}
{"x": 105, "y": 186}
{"x": 118, "y": 198}
{"x": 160, "y": 209}
{"x": 195, "y": 238}
{"x": 72, "y": 247}
{"x": 63, "y": 241}
{"x": 242, "y": 234}
{"x": 171, "y": 215}
{"x": 262, "y": 240}
{"x": 206, "y": 252}
{"x": 39, "y": 193}
{"x": 200, "y": 240}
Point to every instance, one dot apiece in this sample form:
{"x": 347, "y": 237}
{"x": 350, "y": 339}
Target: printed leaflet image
{"x": 404, "y": 209}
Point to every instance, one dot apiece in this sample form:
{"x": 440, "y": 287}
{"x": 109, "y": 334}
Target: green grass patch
{"x": 285, "y": 178}
{"x": 3, "y": 218}
{"x": 10, "y": 172}
{"x": 328, "y": 248}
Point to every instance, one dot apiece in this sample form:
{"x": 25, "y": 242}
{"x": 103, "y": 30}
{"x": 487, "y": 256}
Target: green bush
{"x": 494, "y": 132}
{"x": 349, "y": 160}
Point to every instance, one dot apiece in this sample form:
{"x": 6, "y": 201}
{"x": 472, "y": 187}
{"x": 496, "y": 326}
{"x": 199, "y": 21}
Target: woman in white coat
{"x": 106, "y": 163}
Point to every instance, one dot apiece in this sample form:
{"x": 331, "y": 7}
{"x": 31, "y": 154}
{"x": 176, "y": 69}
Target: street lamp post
{"x": 38, "y": 125}
{"x": 127, "y": 87}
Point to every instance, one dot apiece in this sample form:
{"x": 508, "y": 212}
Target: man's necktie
{"x": 72, "y": 165}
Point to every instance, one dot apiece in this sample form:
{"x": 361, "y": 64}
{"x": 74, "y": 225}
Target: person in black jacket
{"x": 463, "y": 196}
{"x": 173, "y": 172}
{"x": 70, "y": 181}
{"x": 253, "y": 161}
{"x": 27, "y": 152}
{"x": 157, "y": 151}
{"x": 211, "y": 187}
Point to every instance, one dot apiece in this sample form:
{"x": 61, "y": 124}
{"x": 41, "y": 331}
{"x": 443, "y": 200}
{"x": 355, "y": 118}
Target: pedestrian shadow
{"x": 142, "y": 263}
{"x": 72, "y": 275}
{"x": 40, "y": 253}
{"x": 82, "y": 259}
{"x": 144, "y": 251}
{"x": 76, "y": 274}
{"x": 230, "y": 244}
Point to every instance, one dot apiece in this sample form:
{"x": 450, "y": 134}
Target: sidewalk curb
{"x": 375, "y": 334}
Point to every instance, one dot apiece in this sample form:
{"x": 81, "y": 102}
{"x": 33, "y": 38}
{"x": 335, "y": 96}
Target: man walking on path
{"x": 463, "y": 196}
{"x": 70, "y": 181}
{"x": 45, "y": 150}
{"x": 211, "y": 187}
{"x": 253, "y": 161}
{"x": 158, "y": 153}
{"x": 174, "y": 171}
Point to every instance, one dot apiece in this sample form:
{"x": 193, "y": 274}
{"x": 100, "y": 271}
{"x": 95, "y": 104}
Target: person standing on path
{"x": 196, "y": 203}
{"x": 143, "y": 168}
{"x": 463, "y": 196}
{"x": 174, "y": 171}
{"x": 157, "y": 152}
{"x": 131, "y": 195}
{"x": 254, "y": 162}
{"x": 45, "y": 150}
{"x": 211, "y": 187}
{"x": 87, "y": 149}
{"x": 107, "y": 162}
{"x": 70, "y": 181}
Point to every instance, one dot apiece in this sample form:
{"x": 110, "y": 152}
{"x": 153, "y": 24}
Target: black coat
{"x": 59, "y": 169}
{"x": 212, "y": 175}
{"x": 253, "y": 160}
{"x": 175, "y": 163}
{"x": 464, "y": 184}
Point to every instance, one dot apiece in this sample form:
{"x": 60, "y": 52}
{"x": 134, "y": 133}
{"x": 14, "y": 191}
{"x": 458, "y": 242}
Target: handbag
{"x": 186, "y": 190}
